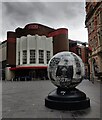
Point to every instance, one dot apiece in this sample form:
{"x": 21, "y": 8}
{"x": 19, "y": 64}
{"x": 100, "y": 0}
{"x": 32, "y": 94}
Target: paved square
{"x": 26, "y": 99}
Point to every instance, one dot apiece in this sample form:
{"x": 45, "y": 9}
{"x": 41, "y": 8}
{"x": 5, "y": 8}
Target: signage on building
{"x": 33, "y": 27}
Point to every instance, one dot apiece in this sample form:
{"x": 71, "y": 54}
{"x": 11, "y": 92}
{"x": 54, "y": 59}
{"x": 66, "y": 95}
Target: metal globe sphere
{"x": 66, "y": 70}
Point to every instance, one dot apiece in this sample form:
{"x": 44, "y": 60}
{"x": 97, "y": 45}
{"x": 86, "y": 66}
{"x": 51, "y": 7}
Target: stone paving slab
{"x": 25, "y": 99}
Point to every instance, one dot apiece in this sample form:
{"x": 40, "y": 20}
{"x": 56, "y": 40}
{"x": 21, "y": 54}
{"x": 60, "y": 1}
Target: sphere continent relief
{"x": 66, "y": 70}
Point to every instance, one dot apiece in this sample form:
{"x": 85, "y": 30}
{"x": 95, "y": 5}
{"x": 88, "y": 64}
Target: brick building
{"x": 82, "y": 50}
{"x": 94, "y": 25}
{"x": 26, "y": 52}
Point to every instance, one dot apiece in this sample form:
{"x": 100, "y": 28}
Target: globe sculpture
{"x": 66, "y": 70}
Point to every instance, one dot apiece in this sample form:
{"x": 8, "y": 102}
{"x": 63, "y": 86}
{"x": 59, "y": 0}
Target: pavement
{"x": 26, "y": 99}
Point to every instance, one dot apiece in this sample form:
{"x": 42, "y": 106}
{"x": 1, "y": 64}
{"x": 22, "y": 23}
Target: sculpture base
{"x": 67, "y": 99}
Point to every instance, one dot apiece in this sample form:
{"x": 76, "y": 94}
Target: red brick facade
{"x": 94, "y": 25}
{"x": 60, "y": 39}
{"x": 82, "y": 51}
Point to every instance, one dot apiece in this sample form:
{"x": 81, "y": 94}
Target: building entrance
{"x": 31, "y": 74}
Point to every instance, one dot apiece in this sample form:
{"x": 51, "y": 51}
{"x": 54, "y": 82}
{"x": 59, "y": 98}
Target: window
{"x": 79, "y": 51}
{"x": 24, "y": 56}
{"x": 18, "y": 58}
{"x": 41, "y": 56}
{"x": 32, "y": 56}
{"x": 92, "y": 25}
{"x": 89, "y": 28}
{"x": 47, "y": 56}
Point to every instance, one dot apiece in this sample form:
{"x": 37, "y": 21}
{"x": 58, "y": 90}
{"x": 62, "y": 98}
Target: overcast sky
{"x": 70, "y": 15}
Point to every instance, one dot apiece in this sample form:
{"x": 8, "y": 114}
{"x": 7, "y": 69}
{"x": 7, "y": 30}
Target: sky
{"x": 70, "y": 15}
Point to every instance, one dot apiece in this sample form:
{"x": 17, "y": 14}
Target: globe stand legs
{"x": 67, "y": 99}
